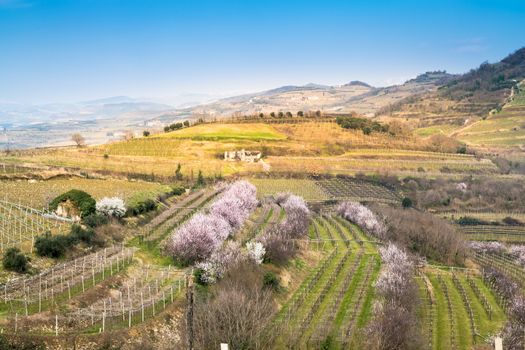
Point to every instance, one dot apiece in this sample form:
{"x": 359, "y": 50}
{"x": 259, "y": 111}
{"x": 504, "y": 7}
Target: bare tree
{"x": 78, "y": 139}
{"x": 238, "y": 312}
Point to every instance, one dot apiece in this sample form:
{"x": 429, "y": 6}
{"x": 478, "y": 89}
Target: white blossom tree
{"x": 256, "y": 251}
{"x": 111, "y": 207}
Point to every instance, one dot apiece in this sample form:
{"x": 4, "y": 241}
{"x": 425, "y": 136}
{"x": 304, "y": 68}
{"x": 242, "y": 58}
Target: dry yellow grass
{"x": 306, "y": 147}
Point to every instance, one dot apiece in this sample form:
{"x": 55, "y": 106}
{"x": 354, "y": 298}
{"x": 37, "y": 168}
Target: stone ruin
{"x": 243, "y": 156}
{"x": 69, "y": 210}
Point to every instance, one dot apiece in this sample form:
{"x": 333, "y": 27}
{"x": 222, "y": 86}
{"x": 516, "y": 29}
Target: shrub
{"x": 56, "y": 246}
{"x": 178, "y": 173}
{"x": 471, "y": 221}
{"x": 511, "y": 221}
{"x": 14, "y": 260}
{"x": 141, "y": 207}
{"x": 462, "y": 150}
{"x": 51, "y": 246}
{"x": 198, "y": 274}
{"x": 95, "y": 220}
{"x": 111, "y": 207}
{"x": 271, "y": 280}
{"x": 82, "y": 200}
{"x": 407, "y": 202}
{"x": 78, "y": 234}
{"x": 177, "y": 190}
{"x": 20, "y": 343}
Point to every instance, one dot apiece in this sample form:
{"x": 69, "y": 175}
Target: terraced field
{"x": 458, "y": 310}
{"x": 494, "y": 233}
{"x": 504, "y": 129}
{"x": 357, "y": 190}
{"x": 327, "y": 189}
{"x": 486, "y": 216}
{"x": 352, "y": 165}
{"x": 159, "y": 228}
{"x": 334, "y": 302}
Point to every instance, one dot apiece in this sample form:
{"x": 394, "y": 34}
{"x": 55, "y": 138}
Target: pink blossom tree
{"x": 363, "y": 217}
{"x": 197, "y": 239}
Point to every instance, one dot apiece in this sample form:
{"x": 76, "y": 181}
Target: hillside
{"x": 465, "y": 97}
{"x": 355, "y": 96}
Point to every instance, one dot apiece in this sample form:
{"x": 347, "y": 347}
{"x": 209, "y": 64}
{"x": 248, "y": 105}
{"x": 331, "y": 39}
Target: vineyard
{"x": 327, "y": 189}
{"x": 287, "y": 148}
{"x": 335, "y": 300}
{"x": 178, "y": 212}
{"x": 356, "y": 190}
{"x": 351, "y": 165}
{"x": 458, "y": 310}
{"x": 487, "y": 216}
{"x": 38, "y": 194}
{"x": 306, "y": 188}
{"x": 504, "y": 263}
{"x": 104, "y": 290}
{"x": 494, "y": 233}
{"x": 20, "y": 225}
{"x": 121, "y": 286}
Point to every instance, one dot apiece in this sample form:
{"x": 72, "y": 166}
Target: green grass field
{"x": 217, "y": 132}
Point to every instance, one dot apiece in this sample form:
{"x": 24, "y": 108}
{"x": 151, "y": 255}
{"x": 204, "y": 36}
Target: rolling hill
{"x": 465, "y": 98}
{"x": 355, "y": 96}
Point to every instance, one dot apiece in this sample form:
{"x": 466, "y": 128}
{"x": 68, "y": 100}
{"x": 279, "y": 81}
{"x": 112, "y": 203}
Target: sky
{"x": 74, "y": 50}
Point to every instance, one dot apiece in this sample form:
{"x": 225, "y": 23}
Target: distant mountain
{"x": 109, "y": 100}
{"x": 356, "y": 96}
{"x": 358, "y": 83}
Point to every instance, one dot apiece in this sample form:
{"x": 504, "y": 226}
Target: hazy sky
{"x": 61, "y": 51}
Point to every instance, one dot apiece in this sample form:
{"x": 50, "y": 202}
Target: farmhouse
{"x": 243, "y": 156}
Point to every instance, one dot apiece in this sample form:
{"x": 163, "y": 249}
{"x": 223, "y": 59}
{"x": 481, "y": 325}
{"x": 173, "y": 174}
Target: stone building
{"x": 69, "y": 210}
{"x": 243, "y": 156}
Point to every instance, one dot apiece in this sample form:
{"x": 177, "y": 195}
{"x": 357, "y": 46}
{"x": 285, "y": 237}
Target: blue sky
{"x": 63, "y": 51}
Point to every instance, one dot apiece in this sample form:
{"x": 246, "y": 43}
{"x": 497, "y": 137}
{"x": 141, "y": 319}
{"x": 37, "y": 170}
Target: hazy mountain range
{"x": 436, "y": 95}
{"x": 104, "y": 120}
